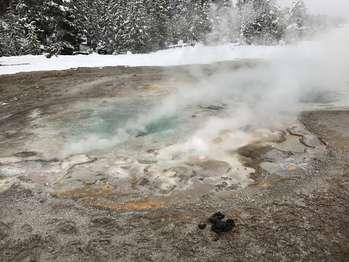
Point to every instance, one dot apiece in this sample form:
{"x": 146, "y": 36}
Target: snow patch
{"x": 198, "y": 54}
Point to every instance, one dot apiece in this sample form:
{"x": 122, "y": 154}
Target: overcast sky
{"x": 329, "y": 7}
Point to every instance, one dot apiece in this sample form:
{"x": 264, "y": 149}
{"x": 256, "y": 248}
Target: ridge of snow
{"x": 198, "y": 54}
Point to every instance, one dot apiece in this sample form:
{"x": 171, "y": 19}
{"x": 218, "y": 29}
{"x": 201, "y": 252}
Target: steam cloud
{"x": 265, "y": 96}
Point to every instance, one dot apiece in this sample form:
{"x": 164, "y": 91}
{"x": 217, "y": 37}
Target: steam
{"x": 264, "y": 97}
{"x": 332, "y": 8}
{"x": 257, "y": 100}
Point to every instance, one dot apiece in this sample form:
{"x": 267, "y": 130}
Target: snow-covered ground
{"x": 179, "y": 56}
{"x": 198, "y": 54}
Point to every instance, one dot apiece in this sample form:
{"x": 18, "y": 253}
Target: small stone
{"x": 202, "y": 226}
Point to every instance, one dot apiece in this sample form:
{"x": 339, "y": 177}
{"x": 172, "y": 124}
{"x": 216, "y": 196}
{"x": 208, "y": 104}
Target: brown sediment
{"x": 86, "y": 192}
{"x": 126, "y": 206}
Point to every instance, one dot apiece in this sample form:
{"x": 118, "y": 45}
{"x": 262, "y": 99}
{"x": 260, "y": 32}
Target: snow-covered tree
{"x": 159, "y": 11}
{"x": 297, "y": 21}
{"x": 136, "y": 33}
{"x": 118, "y": 26}
{"x": 97, "y": 21}
{"x": 261, "y": 21}
{"x": 63, "y": 34}
{"x": 224, "y": 23}
{"x": 189, "y": 21}
{"x": 11, "y": 36}
{"x": 19, "y": 34}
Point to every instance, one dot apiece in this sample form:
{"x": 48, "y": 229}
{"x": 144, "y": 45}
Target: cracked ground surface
{"x": 289, "y": 196}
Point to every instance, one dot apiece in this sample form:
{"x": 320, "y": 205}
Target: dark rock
{"x": 25, "y": 154}
{"x": 223, "y": 226}
{"x": 216, "y": 217}
{"x": 219, "y": 225}
{"x": 202, "y": 226}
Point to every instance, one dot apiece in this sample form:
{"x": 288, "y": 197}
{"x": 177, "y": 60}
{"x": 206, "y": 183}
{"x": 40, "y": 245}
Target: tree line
{"x": 138, "y": 26}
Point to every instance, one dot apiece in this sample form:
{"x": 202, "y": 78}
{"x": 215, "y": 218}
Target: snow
{"x": 198, "y": 54}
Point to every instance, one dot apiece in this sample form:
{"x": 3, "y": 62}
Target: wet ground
{"x": 83, "y": 178}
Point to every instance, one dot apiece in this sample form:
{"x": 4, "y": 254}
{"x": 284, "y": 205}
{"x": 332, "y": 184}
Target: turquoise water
{"x": 130, "y": 125}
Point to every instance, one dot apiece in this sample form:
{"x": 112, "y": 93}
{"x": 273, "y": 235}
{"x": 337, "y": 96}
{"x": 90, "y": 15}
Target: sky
{"x": 328, "y": 7}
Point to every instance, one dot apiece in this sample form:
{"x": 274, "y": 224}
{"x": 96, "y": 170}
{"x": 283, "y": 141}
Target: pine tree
{"x": 11, "y": 35}
{"x": 113, "y": 22}
{"x": 224, "y": 23}
{"x": 137, "y": 27}
{"x": 189, "y": 21}
{"x": 19, "y": 34}
{"x": 27, "y": 14}
{"x": 297, "y": 21}
{"x": 159, "y": 12}
{"x": 261, "y": 21}
{"x": 63, "y": 31}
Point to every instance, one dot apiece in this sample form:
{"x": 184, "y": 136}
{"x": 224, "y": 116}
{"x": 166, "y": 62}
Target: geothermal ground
{"x": 90, "y": 172}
